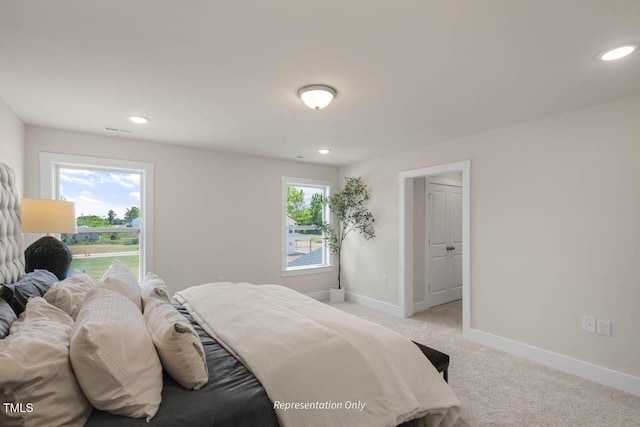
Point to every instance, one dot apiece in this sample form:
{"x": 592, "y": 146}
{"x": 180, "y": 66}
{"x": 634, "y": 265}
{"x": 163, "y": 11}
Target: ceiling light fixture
{"x": 324, "y": 151}
{"x": 139, "y": 120}
{"x": 618, "y": 52}
{"x": 317, "y": 96}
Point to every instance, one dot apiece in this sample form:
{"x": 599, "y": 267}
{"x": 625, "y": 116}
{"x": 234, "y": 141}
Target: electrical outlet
{"x": 604, "y": 328}
{"x": 589, "y": 324}
{"x": 385, "y": 280}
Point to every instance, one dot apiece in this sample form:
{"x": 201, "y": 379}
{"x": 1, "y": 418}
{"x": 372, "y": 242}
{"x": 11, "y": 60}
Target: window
{"x": 113, "y": 202}
{"x": 304, "y": 248}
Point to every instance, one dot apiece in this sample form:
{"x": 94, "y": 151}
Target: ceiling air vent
{"x": 113, "y": 129}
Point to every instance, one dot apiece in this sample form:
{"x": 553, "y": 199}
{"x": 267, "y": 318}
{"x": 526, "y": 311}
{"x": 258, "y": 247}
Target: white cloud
{"x": 88, "y": 199}
{"x": 75, "y": 179}
{"x": 134, "y": 177}
{"x": 82, "y": 172}
{"x": 108, "y": 190}
{"x": 87, "y": 205}
{"x": 128, "y": 181}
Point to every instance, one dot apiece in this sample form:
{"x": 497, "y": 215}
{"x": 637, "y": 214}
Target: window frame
{"x": 49, "y": 183}
{"x": 303, "y": 270}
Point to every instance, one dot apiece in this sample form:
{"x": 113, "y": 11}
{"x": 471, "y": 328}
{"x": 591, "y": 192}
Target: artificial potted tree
{"x": 349, "y": 208}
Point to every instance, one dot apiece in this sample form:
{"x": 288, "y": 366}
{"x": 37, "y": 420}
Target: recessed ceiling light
{"x": 618, "y": 52}
{"x": 139, "y": 119}
{"x": 324, "y": 151}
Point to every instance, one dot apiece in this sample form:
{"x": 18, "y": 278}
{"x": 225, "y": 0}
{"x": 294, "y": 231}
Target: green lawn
{"x": 95, "y": 267}
{"x": 101, "y": 249}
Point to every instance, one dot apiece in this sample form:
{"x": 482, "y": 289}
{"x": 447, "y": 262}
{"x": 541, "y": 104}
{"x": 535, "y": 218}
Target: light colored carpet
{"x": 498, "y": 389}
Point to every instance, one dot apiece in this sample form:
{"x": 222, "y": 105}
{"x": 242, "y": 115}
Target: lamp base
{"x": 48, "y": 253}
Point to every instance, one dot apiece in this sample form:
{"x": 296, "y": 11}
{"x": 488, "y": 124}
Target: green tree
{"x": 348, "y": 205}
{"x": 296, "y": 209}
{"x": 91, "y": 221}
{"x": 133, "y": 212}
{"x": 317, "y": 206}
{"x": 111, "y": 216}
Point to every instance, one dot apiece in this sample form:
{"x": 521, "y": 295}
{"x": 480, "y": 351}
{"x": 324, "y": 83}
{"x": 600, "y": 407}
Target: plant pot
{"x": 336, "y": 295}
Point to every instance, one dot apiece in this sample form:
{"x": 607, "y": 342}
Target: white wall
{"x": 555, "y": 230}
{"x": 214, "y": 213}
{"x": 12, "y": 143}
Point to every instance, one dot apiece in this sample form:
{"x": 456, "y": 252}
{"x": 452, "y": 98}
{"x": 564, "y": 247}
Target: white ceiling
{"x": 224, "y": 74}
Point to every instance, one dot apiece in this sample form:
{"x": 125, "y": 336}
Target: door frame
{"x": 428, "y": 229}
{"x": 406, "y": 255}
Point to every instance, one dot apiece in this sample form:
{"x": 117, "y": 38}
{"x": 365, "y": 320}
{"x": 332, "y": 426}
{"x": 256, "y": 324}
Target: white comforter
{"x": 319, "y": 365}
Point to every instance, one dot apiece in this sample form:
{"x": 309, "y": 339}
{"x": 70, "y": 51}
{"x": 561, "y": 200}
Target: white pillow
{"x": 153, "y": 287}
{"x": 119, "y": 278}
{"x": 114, "y": 358}
{"x": 177, "y": 343}
{"x": 69, "y": 294}
{"x": 35, "y": 371}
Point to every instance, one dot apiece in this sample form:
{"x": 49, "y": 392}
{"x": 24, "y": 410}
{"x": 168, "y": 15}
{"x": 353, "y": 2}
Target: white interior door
{"x": 444, "y": 243}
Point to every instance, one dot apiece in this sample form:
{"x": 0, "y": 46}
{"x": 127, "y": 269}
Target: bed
{"x": 268, "y": 350}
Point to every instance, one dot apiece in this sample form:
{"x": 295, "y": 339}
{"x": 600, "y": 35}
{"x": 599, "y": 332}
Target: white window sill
{"x": 307, "y": 270}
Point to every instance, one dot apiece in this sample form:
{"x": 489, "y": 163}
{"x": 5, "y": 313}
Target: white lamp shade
{"x": 317, "y": 96}
{"x": 48, "y": 216}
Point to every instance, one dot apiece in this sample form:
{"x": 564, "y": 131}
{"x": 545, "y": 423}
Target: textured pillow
{"x": 34, "y": 284}
{"x": 69, "y": 294}
{"x": 120, "y": 279}
{"x": 153, "y": 287}
{"x": 178, "y": 345}
{"x": 7, "y": 317}
{"x": 113, "y": 356}
{"x": 35, "y": 371}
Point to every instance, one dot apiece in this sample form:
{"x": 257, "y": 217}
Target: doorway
{"x": 407, "y": 242}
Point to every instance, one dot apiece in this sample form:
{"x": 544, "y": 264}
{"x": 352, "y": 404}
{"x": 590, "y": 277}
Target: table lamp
{"x": 48, "y": 216}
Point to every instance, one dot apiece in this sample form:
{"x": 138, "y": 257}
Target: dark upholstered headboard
{"x": 11, "y": 244}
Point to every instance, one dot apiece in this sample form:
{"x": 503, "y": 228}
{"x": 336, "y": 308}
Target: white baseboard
{"x": 320, "y": 295}
{"x": 373, "y": 303}
{"x": 420, "y": 306}
{"x": 599, "y": 374}
{"x": 587, "y": 370}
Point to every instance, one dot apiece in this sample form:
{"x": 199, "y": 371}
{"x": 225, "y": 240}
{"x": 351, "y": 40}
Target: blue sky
{"x": 95, "y": 192}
